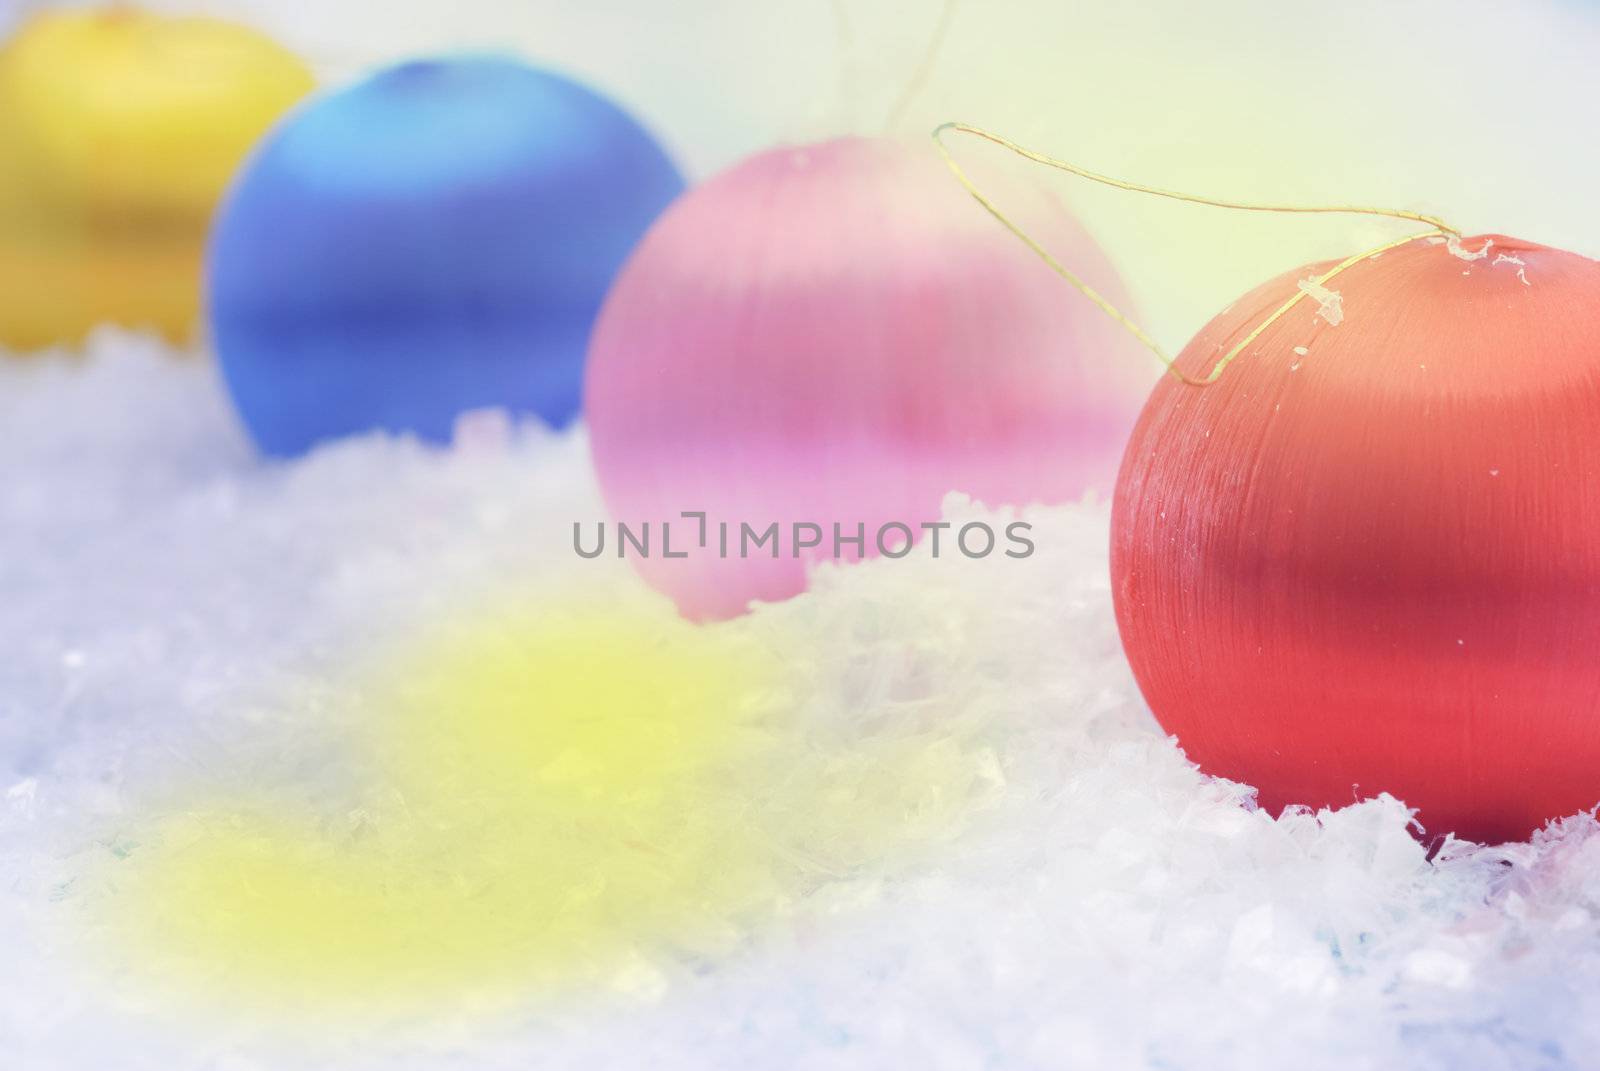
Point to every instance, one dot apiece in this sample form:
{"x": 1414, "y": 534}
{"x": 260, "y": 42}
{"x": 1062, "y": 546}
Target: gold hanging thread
{"x": 1438, "y": 228}
{"x": 924, "y": 70}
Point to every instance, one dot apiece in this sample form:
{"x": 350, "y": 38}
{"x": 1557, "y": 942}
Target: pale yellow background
{"x": 1484, "y": 112}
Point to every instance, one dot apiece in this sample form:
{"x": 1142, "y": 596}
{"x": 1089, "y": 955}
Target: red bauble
{"x": 1367, "y": 558}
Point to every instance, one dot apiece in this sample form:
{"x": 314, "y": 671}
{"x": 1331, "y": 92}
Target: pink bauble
{"x": 840, "y": 334}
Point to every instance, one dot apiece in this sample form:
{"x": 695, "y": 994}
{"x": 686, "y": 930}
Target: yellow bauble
{"x": 119, "y": 132}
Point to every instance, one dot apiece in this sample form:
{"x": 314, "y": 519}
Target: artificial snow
{"x": 1520, "y": 264}
{"x": 1330, "y": 302}
{"x": 1454, "y": 247}
{"x": 180, "y": 618}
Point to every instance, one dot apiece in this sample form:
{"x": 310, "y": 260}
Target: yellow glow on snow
{"x": 553, "y": 800}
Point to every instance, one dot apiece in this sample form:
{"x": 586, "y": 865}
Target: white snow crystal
{"x": 1456, "y": 249}
{"x": 1521, "y": 265}
{"x": 1331, "y": 302}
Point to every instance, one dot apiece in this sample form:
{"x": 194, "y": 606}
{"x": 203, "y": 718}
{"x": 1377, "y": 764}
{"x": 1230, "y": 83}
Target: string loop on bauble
{"x": 1438, "y": 229}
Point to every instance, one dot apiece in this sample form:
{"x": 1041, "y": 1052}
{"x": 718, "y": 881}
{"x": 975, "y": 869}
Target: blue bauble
{"x": 435, "y": 239}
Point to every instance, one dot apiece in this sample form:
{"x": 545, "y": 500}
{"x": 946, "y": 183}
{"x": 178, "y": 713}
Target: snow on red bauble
{"x": 1367, "y": 557}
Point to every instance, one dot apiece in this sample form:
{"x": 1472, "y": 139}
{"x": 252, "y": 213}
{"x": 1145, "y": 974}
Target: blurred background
{"x": 1481, "y": 111}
